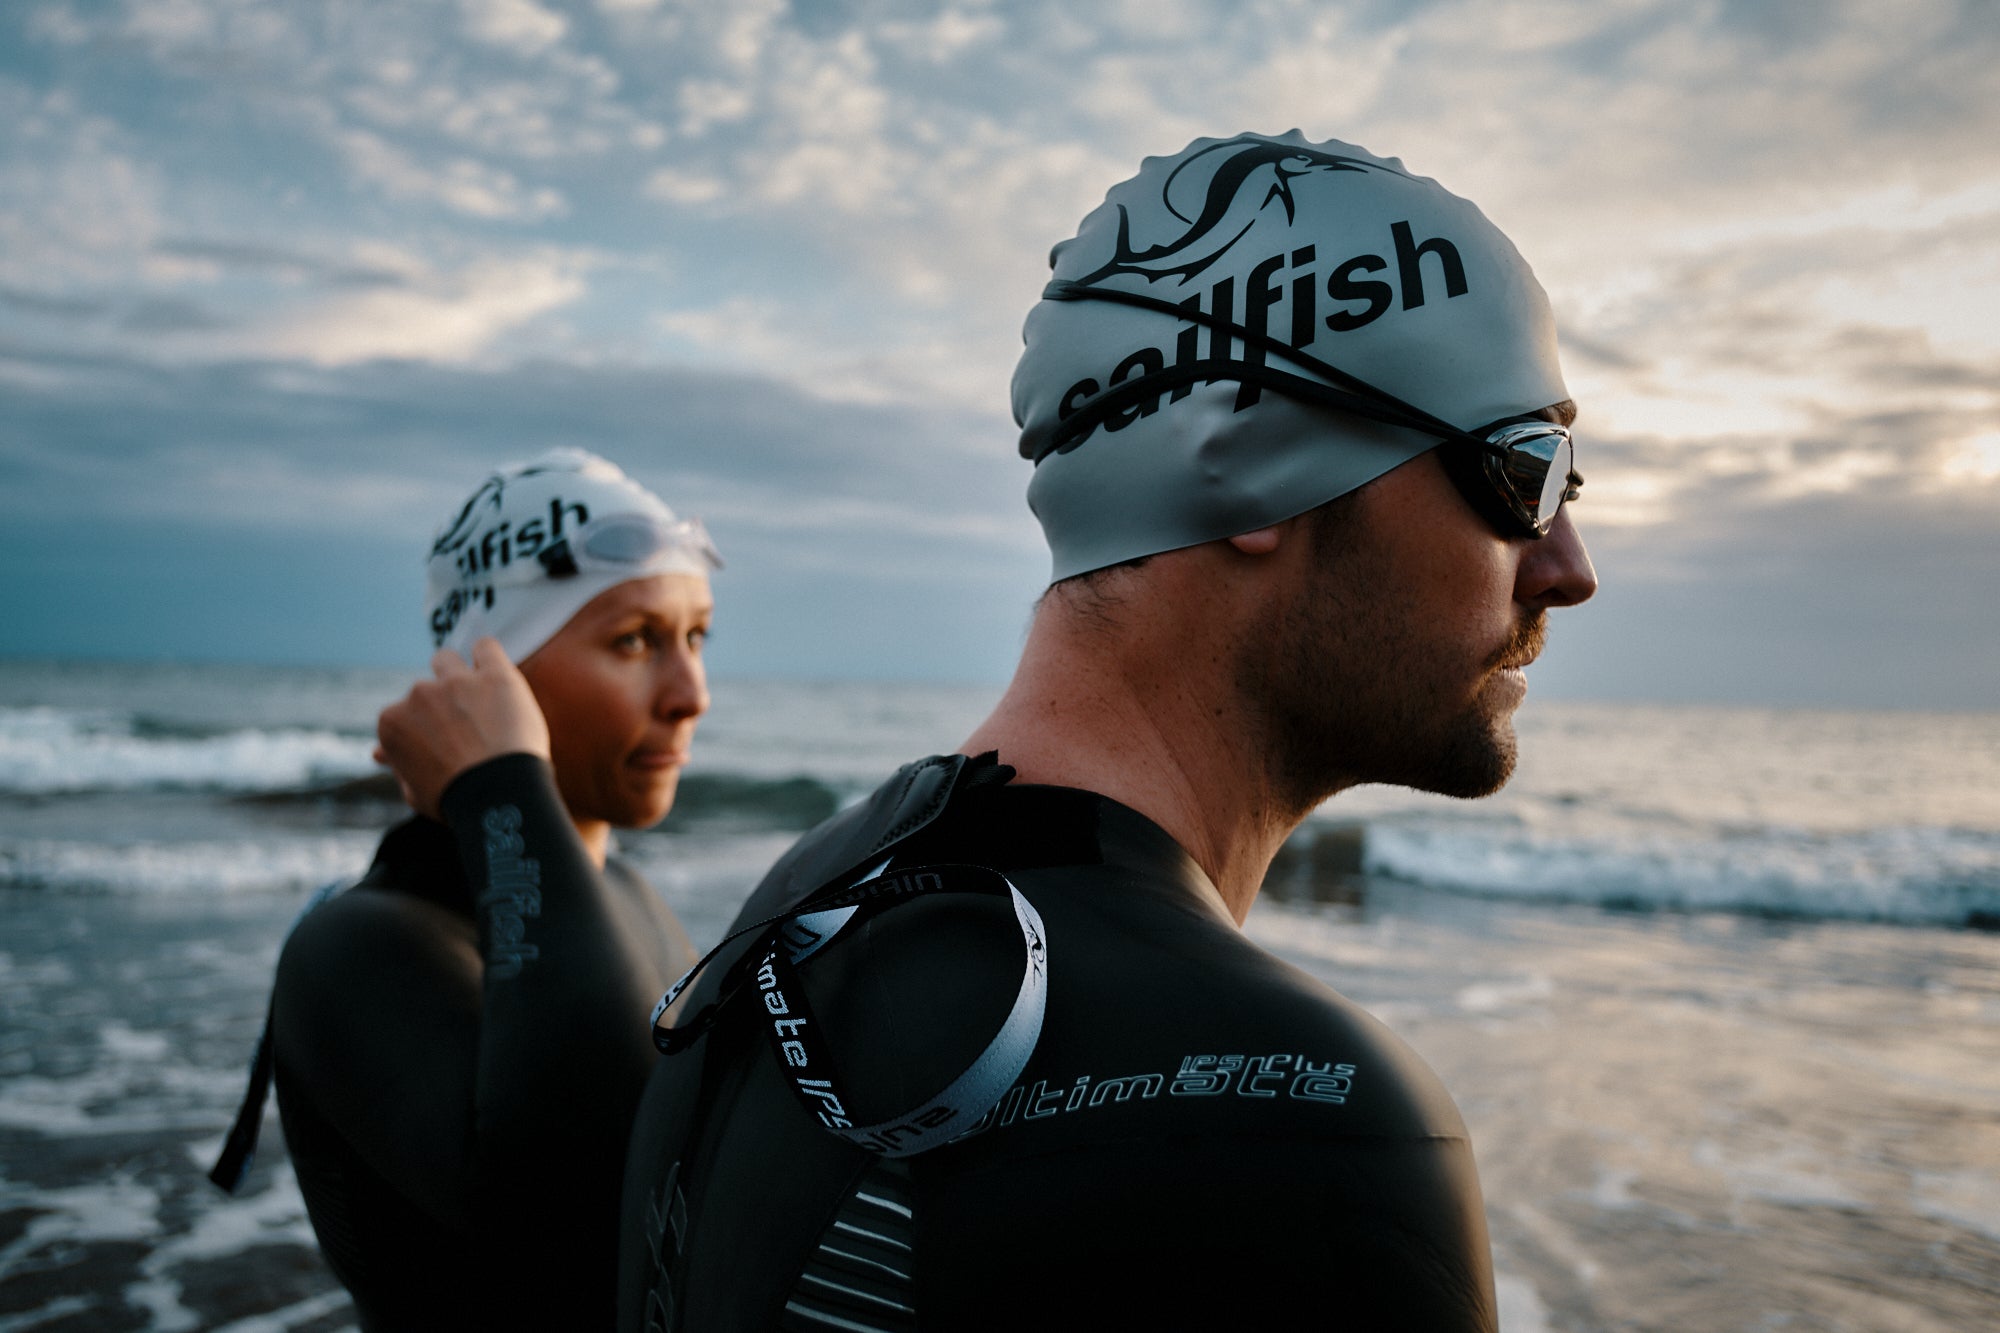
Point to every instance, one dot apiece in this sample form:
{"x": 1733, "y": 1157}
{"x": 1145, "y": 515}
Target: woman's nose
{"x": 683, "y": 688}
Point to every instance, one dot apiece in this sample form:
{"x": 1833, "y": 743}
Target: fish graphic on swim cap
{"x": 1211, "y": 233}
{"x": 1324, "y": 249}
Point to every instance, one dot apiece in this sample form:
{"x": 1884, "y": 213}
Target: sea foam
{"x": 208, "y": 867}
{"x": 1936, "y": 876}
{"x": 48, "y": 751}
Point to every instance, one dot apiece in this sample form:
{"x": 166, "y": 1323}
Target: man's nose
{"x": 1556, "y": 571}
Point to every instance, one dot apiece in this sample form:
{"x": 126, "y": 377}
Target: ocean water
{"x": 1718, "y": 989}
{"x": 158, "y": 780}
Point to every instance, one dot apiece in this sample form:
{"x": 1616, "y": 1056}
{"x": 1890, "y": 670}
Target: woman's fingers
{"x": 463, "y": 716}
{"x": 412, "y": 766}
{"x": 509, "y": 711}
{"x": 488, "y": 655}
{"x": 446, "y": 663}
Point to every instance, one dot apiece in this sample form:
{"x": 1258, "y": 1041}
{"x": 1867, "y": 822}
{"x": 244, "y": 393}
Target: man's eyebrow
{"x": 1563, "y": 413}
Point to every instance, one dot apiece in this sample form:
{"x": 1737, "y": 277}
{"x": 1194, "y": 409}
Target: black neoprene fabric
{"x": 460, "y": 1044}
{"x": 1204, "y": 1136}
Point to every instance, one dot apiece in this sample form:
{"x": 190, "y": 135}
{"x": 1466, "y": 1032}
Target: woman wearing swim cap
{"x": 460, "y": 1042}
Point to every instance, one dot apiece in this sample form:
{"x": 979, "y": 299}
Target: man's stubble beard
{"x": 1347, "y": 693}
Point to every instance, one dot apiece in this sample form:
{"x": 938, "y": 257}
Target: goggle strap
{"x": 1072, "y": 430}
{"x": 557, "y": 561}
{"x": 1384, "y": 406}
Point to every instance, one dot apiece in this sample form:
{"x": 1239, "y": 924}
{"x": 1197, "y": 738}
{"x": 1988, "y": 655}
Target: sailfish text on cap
{"x": 1256, "y": 174}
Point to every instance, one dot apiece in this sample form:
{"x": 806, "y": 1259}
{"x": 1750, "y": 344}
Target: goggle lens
{"x": 1532, "y": 463}
{"x": 635, "y": 539}
{"x": 625, "y": 544}
{"x": 1555, "y": 483}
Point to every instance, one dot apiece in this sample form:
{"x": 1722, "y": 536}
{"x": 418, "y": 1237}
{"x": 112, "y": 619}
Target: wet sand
{"x": 1703, "y": 1122}
{"x": 1682, "y": 1122}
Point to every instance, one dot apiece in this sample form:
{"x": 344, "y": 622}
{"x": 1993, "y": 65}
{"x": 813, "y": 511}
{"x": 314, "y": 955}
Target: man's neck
{"x": 1170, "y": 744}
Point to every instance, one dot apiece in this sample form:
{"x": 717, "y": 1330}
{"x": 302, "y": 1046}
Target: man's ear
{"x": 1258, "y": 541}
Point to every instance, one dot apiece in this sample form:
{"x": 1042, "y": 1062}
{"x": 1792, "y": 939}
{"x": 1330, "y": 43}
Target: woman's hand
{"x": 461, "y": 718}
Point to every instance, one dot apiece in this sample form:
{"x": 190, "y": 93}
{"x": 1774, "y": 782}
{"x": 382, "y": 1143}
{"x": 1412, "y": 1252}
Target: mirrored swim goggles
{"x": 629, "y": 545}
{"x": 1516, "y": 472}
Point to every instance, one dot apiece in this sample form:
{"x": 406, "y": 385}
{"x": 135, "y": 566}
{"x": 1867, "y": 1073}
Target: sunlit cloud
{"x": 1976, "y": 459}
{"x": 447, "y": 317}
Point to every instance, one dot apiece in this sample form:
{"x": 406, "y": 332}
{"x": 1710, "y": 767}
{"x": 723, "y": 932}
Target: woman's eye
{"x": 697, "y": 638}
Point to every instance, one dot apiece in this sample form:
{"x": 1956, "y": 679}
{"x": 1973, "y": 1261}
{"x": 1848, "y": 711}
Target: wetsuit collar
{"x": 1131, "y": 839}
{"x": 1023, "y": 826}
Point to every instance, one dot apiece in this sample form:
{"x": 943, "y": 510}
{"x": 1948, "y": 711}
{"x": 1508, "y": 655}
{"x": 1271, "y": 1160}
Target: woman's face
{"x": 622, "y": 687}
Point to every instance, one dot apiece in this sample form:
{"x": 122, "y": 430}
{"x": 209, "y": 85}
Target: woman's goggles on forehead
{"x": 633, "y": 545}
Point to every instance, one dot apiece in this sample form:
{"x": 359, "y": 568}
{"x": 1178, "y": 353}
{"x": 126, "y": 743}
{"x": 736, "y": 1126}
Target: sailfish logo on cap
{"x": 1194, "y": 249}
{"x": 485, "y": 501}
{"x": 460, "y": 530}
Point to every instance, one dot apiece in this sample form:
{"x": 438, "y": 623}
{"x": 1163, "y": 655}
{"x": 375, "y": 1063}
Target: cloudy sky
{"x": 278, "y": 279}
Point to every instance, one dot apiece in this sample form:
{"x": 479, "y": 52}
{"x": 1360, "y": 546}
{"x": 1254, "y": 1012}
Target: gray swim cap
{"x": 539, "y": 539}
{"x": 1331, "y": 253}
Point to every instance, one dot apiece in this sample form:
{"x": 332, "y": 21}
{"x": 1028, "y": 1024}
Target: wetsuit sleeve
{"x": 564, "y": 1047}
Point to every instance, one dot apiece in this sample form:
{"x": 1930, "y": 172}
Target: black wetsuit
{"x": 1203, "y": 1137}
{"x": 460, "y": 1043}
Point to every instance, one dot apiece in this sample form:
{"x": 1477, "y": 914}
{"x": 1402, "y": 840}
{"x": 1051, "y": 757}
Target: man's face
{"x": 1397, "y": 656}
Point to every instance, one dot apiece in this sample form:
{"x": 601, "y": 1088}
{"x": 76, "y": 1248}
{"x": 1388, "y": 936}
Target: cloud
{"x": 705, "y": 103}
{"x": 567, "y": 106}
{"x": 462, "y": 184}
{"x": 783, "y": 461}
{"x": 684, "y": 188}
{"x": 942, "y": 192}
{"x": 77, "y": 202}
{"x": 1976, "y": 459}
{"x": 449, "y": 316}
{"x": 857, "y": 546}
{"x": 1849, "y": 599}
{"x": 521, "y": 26}
{"x": 814, "y": 349}
{"x": 212, "y": 258}
{"x": 944, "y": 37}
{"x": 171, "y": 316}
{"x": 55, "y": 306}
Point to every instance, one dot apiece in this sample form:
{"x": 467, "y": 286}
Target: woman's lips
{"x": 659, "y": 759}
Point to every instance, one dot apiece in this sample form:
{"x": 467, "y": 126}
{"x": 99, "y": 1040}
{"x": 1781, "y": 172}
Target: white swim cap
{"x": 539, "y": 539}
{"x": 1340, "y": 261}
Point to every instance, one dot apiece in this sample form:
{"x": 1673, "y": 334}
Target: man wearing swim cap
{"x": 1301, "y": 453}
{"x": 459, "y": 1041}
